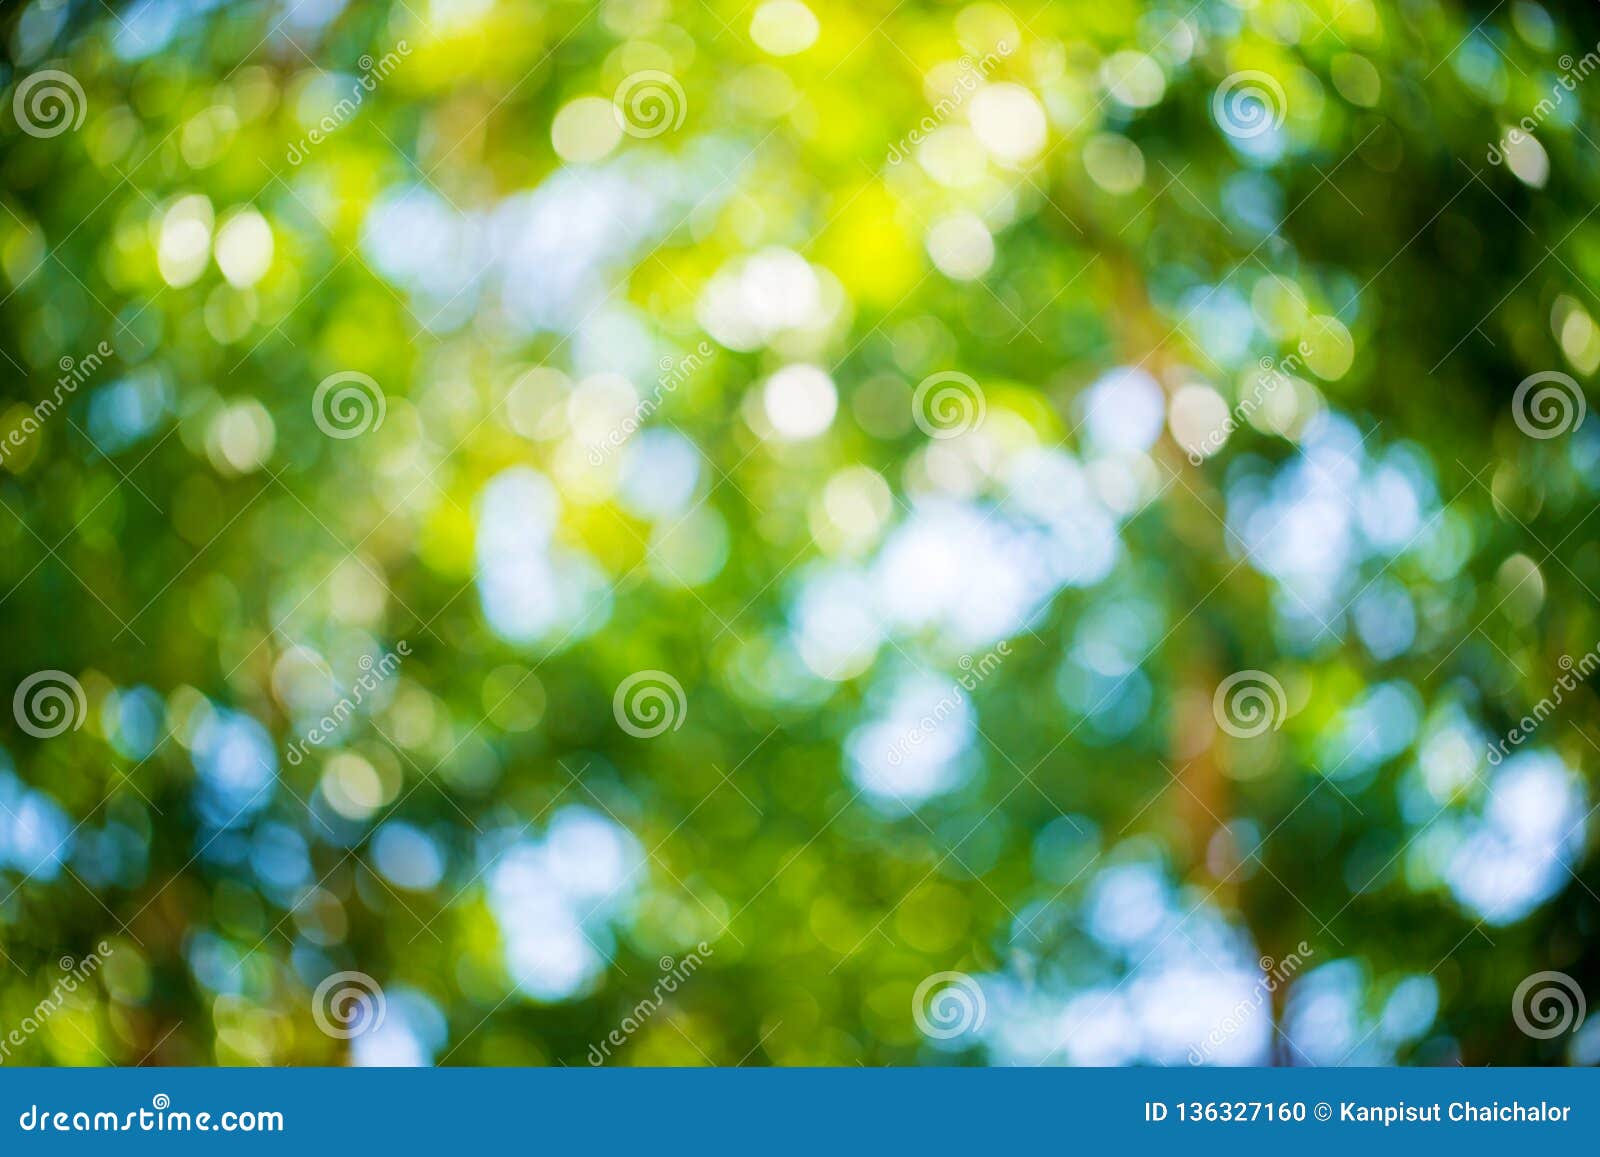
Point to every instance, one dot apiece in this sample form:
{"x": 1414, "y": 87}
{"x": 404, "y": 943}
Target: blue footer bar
{"x": 792, "y": 1110}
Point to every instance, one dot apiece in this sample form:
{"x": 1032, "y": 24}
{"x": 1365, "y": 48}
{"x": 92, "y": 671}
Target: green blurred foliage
{"x": 199, "y": 535}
